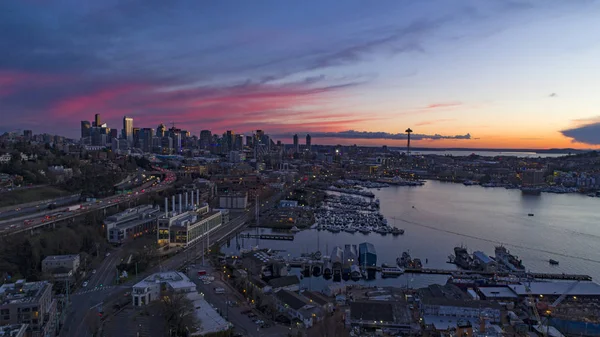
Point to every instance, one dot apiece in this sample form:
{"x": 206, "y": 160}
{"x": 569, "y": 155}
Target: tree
{"x": 178, "y": 312}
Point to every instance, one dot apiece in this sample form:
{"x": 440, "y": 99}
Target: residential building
{"x": 5, "y": 158}
{"x": 149, "y": 289}
{"x": 29, "y": 303}
{"x": 61, "y": 267}
{"x": 131, "y": 223}
{"x": 533, "y": 177}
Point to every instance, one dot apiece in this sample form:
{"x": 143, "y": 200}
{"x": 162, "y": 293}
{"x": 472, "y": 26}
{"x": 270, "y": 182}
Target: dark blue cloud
{"x": 587, "y": 134}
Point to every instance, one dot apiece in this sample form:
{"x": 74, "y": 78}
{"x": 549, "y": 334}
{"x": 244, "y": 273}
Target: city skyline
{"x": 497, "y": 74}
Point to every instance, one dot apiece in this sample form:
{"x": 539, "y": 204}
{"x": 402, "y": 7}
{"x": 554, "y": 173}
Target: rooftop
{"x": 558, "y": 288}
{"x": 316, "y": 297}
{"x": 22, "y": 292}
{"x": 460, "y": 303}
{"x": 284, "y": 281}
{"x": 448, "y": 291}
{"x": 61, "y": 257}
{"x": 291, "y": 299}
{"x": 482, "y": 257}
{"x": 209, "y": 320}
{"x": 500, "y": 292}
{"x": 389, "y": 312}
{"x": 175, "y": 279}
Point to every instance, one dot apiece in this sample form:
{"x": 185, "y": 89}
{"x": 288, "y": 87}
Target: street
{"x": 75, "y": 326}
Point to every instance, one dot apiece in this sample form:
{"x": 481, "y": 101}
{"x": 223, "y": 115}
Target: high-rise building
{"x": 205, "y": 139}
{"x": 145, "y": 139}
{"x": 239, "y": 143}
{"x": 296, "y": 144}
{"x": 128, "y": 129}
{"x": 114, "y": 133}
{"x": 97, "y": 120}
{"x": 160, "y": 130}
{"x": 532, "y": 177}
{"x": 86, "y": 129}
{"x": 308, "y": 143}
{"x": 136, "y": 137}
{"x": 228, "y": 140}
{"x": 249, "y": 141}
{"x": 28, "y": 134}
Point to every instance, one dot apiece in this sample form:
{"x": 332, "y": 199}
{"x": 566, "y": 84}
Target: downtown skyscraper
{"x": 128, "y": 129}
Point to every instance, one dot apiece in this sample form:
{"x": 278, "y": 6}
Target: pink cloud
{"x": 443, "y": 105}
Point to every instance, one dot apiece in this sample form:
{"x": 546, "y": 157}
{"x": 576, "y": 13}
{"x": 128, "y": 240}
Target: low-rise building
{"x": 289, "y": 283}
{"x": 70, "y": 262}
{"x": 29, "y": 303}
{"x": 238, "y": 200}
{"x": 131, "y": 223}
{"x": 298, "y": 307}
{"x": 61, "y": 267}
{"x": 320, "y": 300}
{"x": 187, "y": 228}
{"x": 390, "y": 315}
{"x": 149, "y": 289}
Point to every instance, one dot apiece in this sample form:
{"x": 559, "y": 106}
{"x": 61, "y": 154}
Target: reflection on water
{"x": 446, "y": 215}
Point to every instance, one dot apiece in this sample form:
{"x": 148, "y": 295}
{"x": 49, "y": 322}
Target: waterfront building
{"x": 484, "y": 262}
{"x": 131, "y": 223}
{"x": 532, "y": 177}
{"x": 289, "y": 283}
{"x": 367, "y": 255}
{"x": 29, "y": 303}
{"x": 392, "y": 315}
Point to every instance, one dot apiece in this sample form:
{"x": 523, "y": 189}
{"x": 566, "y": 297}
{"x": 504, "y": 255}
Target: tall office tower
{"x": 229, "y": 140}
{"x": 128, "y": 129}
{"x": 114, "y": 133}
{"x": 86, "y": 129}
{"x": 136, "y": 137}
{"x": 97, "y": 120}
{"x": 205, "y": 139}
{"x": 145, "y": 139}
{"x": 160, "y": 130}
{"x": 239, "y": 142}
{"x": 249, "y": 141}
{"x": 260, "y": 134}
{"x": 296, "y": 144}
{"x": 27, "y": 134}
{"x": 308, "y": 143}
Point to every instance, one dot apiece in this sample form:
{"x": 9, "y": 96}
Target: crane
{"x": 535, "y": 310}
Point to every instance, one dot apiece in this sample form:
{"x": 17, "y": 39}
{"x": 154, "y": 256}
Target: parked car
{"x": 85, "y": 284}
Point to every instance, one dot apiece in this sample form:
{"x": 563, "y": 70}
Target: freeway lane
{"x": 34, "y": 207}
{"x": 21, "y": 224}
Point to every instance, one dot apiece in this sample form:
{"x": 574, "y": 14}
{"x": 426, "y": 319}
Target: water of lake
{"x": 565, "y": 228}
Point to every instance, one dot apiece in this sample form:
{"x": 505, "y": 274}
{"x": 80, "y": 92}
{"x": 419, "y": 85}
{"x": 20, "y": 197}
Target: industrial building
{"x": 131, "y": 223}
{"x": 187, "y": 225}
{"x": 29, "y": 303}
{"x": 391, "y": 315}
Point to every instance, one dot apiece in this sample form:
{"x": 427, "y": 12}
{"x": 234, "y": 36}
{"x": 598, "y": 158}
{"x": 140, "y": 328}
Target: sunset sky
{"x": 477, "y": 74}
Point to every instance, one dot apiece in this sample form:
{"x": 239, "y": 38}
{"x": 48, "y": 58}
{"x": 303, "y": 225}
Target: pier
{"x": 283, "y": 237}
{"x": 546, "y": 276}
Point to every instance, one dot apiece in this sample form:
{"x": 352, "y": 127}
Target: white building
{"x": 5, "y": 158}
{"x": 149, "y": 289}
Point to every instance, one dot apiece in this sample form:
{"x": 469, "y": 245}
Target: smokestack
{"x": 173, "y": 204}
{"x": 198, "y": 197}
{"x": 180, "y": 203}
{"x": 192, "y": 199}
{"x": 166, "y": 207}
{"x": 187, "y": 203}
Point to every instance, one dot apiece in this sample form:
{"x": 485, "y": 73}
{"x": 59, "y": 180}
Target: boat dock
{"x": 546, "y": 276}
{"x": 283, "y": 237}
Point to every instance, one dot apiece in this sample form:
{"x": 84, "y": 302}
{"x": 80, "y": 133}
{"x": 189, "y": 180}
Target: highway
{"x": 34, "y": 207}
{"x": 45, "y": 218}
{"x": 81, "y": 303}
